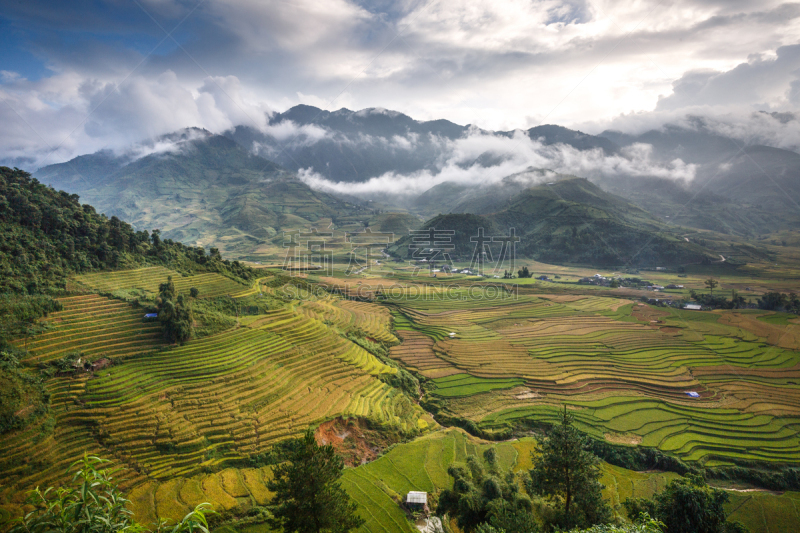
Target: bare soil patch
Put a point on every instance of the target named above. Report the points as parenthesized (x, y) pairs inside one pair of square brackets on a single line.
[(528, 395), (650, 315), (628, 439), (441, 372), (353, 440)]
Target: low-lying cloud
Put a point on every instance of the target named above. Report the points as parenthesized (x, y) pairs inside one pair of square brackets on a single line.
[(168, 144), (482, 159)]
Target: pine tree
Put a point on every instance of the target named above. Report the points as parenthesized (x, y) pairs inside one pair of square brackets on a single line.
[(566, 471), (308, 496)]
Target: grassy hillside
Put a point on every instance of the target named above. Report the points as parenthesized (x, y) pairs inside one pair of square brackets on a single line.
[(570, 221), (205, 191), (678, 204), (47, 235), (449, 197), (422, 465)]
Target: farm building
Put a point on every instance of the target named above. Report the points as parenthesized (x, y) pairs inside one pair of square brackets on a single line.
[(417, 501), (693, 307)]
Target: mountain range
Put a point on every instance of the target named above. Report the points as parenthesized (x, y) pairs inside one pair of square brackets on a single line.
[(206, 190), (239, 191), (569, 220), (739, 189)]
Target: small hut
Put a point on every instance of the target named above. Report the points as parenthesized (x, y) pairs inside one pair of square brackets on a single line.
[(417, 501)]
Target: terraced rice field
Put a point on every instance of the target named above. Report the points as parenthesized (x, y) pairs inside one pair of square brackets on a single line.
[(466, 385), (210, 284), (419, 465), (233, 395), (416, 353), (210, 403), (41, 453), (98, 327), (422, 465), (624, 369), (183, 419), (372, 319), (232, 488)]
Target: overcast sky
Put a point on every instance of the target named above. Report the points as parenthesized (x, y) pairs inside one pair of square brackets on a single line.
[(82, 75)]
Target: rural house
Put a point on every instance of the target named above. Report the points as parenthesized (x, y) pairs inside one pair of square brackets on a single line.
[(417, 501)]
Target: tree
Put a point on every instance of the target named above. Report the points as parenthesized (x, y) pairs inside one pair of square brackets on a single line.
[(174, 313), (480, 498), (524, 273), (794, 304), (772, 301), (94, 504), (48, 235), (511, 517), (308, 496), (688, 505), (567, 472), (711, 283), (737, 302), (155, 237), (166, 291), (194, 292)]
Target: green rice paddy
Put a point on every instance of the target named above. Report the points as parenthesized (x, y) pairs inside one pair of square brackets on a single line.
[(184, 420), (467, 385)]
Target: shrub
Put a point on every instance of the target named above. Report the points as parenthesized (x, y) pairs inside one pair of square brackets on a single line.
[(94, 504)]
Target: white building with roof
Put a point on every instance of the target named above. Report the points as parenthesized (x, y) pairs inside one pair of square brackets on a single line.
[(417, 501)]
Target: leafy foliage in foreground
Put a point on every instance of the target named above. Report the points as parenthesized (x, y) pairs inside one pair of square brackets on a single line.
[(644, 524), (45, 235), (94, 504)]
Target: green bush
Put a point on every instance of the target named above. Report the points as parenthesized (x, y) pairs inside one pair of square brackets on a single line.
[(93, 504)]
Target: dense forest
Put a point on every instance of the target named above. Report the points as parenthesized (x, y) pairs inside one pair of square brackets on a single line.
[(46, 235)]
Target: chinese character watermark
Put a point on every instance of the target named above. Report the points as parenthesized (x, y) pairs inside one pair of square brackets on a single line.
[(308, 251)]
